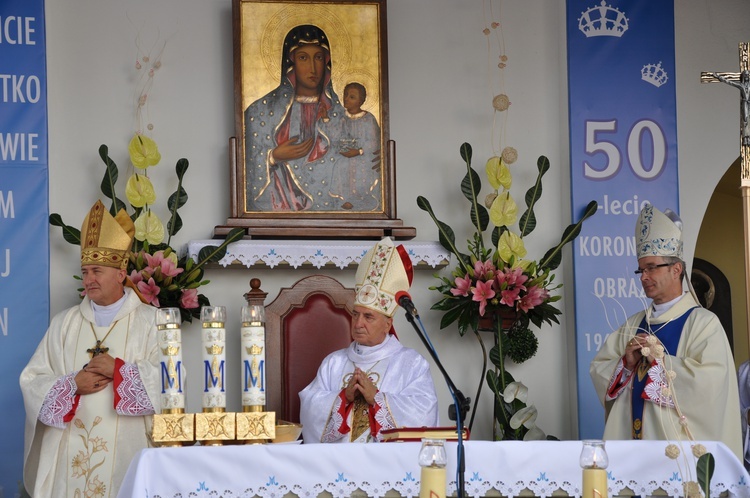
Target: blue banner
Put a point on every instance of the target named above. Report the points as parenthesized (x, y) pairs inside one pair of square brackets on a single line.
[(24, 211), (623, 154)]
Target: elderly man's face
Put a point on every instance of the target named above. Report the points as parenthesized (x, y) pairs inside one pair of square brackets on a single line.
[(103, 284), (369, 328)]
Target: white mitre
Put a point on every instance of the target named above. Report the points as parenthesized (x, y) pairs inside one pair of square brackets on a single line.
[(658, 234)]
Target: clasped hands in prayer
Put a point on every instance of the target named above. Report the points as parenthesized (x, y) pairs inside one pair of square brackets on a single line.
[(633, 353), (360, 385), (96, 374)]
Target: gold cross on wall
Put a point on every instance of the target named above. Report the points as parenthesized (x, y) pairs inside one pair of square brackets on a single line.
[(741, 81)]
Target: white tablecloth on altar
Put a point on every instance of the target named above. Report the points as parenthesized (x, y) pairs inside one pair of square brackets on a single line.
[(306, 470), (317, 253)]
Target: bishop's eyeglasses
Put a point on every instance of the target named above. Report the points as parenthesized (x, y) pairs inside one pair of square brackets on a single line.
[(650, 268)]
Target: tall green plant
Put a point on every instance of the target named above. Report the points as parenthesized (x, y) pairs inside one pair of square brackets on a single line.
[(497, 282)]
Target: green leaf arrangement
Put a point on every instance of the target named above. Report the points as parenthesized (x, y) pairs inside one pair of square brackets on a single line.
[(163, 278), (494, 287)]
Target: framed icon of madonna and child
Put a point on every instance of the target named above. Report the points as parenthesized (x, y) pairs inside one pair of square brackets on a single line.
[(312, 153)]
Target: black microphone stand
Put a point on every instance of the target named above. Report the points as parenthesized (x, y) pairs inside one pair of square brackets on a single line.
[(462, 408)]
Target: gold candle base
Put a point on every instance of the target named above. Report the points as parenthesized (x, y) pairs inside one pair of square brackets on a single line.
[(256, 427), (173, 427), (214, 426)]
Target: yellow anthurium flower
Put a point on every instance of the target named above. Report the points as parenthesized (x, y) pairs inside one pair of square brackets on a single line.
[(149, 227), (504, 210), (510, 245), (526, 416), (139, 190), (524, 264), (143, 152), (498, 173)]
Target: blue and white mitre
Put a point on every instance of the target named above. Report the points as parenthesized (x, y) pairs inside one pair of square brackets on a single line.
[(658, 234)]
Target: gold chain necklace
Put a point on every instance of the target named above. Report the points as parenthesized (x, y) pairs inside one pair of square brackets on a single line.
[(98, 349)]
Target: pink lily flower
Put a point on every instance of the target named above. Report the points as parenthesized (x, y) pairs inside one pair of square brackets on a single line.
[(482, 292), (510, 296), (534, 297), (463, 286), (150, 290), (482, 268), (135, 277), (189, 298), (511, 277)]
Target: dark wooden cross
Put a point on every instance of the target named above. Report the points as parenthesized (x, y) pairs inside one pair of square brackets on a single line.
[(98, 349), (741, 81)]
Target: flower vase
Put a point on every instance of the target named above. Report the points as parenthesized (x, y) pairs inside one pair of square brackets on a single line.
[(508, 316)]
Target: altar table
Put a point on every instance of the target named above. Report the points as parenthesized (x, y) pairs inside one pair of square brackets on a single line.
[(508, 468)]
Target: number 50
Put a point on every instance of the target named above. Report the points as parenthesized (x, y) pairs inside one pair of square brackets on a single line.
[(613, 163)]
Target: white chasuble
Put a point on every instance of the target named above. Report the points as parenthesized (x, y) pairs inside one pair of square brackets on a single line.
[(89, 454), (405, 398), (92, 439)]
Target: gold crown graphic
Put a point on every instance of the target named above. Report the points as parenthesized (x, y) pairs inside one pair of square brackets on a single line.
[(254, 349), (170, 350), (215, 349)]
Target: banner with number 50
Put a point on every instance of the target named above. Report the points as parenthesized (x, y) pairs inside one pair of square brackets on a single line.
[(623, 154)]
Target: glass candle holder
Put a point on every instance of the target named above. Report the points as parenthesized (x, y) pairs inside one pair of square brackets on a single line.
[(168, 316), (213, 315), (253, 333), (432, 459), (594, 462)]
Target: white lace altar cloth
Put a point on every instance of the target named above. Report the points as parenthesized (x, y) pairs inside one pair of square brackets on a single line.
[(317, 253), (542, 467)]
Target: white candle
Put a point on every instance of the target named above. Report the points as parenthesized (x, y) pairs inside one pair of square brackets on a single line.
[(213, 341), (170, 351), (594, 483), (432, 482), (253, 354)]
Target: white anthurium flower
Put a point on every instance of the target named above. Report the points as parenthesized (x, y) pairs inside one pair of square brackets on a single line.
[(515, 390), (525, 416), (535, 434)]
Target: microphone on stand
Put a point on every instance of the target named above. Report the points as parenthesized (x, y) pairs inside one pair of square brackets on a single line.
[(404, 300), (456, 411)]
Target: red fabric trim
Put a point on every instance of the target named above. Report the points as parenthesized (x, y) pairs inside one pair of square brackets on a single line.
[(344, 409), (649, 380), (406, 261), (72, 413), (617, 386), (116, 381), (374, 425)]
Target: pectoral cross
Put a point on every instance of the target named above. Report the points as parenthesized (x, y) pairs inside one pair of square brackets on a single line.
[(741, 81), (98, 349)]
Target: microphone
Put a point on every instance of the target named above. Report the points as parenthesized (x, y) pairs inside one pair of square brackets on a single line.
[(404, 300)]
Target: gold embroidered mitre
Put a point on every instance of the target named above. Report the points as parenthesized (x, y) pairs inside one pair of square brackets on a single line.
[(384, 271), (106, 240)]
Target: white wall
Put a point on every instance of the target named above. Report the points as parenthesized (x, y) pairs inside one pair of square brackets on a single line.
[(439, 98)]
